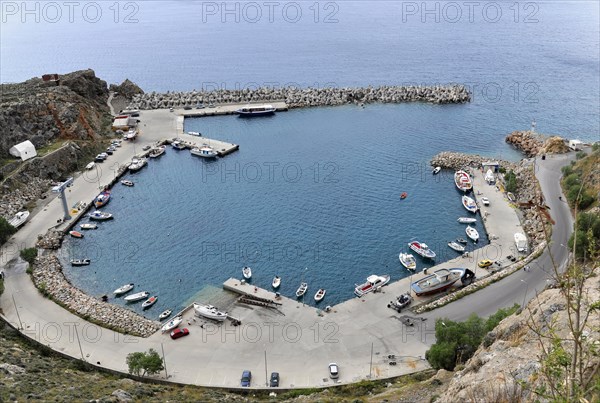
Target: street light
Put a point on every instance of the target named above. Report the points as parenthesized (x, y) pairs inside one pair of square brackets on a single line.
[(525, 295)]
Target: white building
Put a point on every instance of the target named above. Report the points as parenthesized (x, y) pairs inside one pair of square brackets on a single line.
[(24, 150)]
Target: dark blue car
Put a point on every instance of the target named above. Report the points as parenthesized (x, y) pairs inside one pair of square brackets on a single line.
[(246, 378)]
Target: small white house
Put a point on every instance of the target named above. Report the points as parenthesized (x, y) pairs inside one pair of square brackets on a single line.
[(24, 150), (575, 145)]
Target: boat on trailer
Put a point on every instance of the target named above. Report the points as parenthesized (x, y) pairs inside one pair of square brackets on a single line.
[(408, 261), (210, 312), (373, 283), (440, 280)]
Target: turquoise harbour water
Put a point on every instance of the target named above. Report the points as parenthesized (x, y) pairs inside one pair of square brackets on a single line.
[(311, 195)]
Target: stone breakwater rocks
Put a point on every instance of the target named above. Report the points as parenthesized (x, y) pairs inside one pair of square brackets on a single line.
[(51, 240), (49, 278), (305, 97), (527, 142), (528, 194), (16, 200)]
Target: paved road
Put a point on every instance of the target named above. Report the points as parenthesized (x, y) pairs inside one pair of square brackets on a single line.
[(523, 286)]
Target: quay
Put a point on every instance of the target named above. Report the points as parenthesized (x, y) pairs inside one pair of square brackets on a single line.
[(227, 109)]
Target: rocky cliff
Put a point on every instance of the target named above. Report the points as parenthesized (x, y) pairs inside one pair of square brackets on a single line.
[(74, 107)]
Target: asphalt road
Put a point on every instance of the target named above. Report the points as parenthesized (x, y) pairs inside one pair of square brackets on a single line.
[(522, 286)]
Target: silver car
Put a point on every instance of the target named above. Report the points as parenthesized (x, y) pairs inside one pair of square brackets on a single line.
[(334, 371)]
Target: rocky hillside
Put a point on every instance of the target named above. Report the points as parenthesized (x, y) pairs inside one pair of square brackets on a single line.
[(42, 112), (532, 143)]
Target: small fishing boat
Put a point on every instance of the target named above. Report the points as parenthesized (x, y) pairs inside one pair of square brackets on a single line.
[(157, 152), (127, 183), (421, 249), (401, 302), (19, 219), (408, 261), (137, 164), (373, 283), (456, 246), (76, 234), (210, 312), (461, 240), (194, 133), (172, 324), (100, 216), (440, 280), (102, 199), (472, 233), (320, 295), (463, 181), (137, 296), (149, 302), (165, 314), (80, 262), (204, 151), (403, 195), (276, 282), (436, 170), (123, 289), (469, 204), (131, 134), (87, 226), (178, 145), (255, 110), (301, 290), (467, 220), (247, 272)]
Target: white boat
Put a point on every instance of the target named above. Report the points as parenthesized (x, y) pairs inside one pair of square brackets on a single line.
[(456, 246), (204, 151), (320, 295), (88, 226), (467, 220), (165, 314), (127, 183), (521, 242), (137, 296), (131, 134), (421, 249), (463, 181), (408, 261), (469, 204), (123, 289), (172, 324), (178, 145), (301, 290), (276, 282), (80, 262), (247, 272), (157, 152), (440, 280), (472, 233), (19, 219), (256, 110), (373, 282), (137, 164), (149, 302), (210, 312), (489, 177), (194, 133), (436, 170), (100, 216)]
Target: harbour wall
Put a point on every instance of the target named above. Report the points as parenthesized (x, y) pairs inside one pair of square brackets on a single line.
[(306, 97)]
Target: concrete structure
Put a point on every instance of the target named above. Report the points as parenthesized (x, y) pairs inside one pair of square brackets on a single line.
[(575, 145), (124, 123), (25, 150)]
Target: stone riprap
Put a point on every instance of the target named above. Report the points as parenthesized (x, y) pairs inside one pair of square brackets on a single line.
[(305, 97), (49, 278)]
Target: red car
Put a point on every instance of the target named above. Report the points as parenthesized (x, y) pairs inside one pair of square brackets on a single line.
[(177, 333)]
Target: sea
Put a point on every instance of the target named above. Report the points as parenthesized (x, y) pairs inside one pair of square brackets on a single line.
[(313, 194)]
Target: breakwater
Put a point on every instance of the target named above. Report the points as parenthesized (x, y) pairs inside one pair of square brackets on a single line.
[(307, 97)]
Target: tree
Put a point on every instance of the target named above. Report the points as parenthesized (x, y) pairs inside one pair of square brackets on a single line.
[(141, 363), (6, 230), (511, 181)]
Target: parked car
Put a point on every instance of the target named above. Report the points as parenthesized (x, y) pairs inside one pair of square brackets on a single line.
[(485, 263), (334, 371), (177, 333), (485, 201), (274, 379), (246, 378)]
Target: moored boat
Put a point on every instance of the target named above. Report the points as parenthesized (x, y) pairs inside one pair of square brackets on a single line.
[(463, 181), (467, 220), (204, 152), (76, 234), (100, 216), (123, 289), (256, 110), (88, 226), (320, 295), (276, 282), (210, 312), (408, 261), (80, 262), (157, 152), (456, 246), (440, 280), (469, 204), (149, 302), (421, 249), (472, 233), (172, 324), (403, 195), (247, 272), (19, 219), (137, 164), (436, 170), (178, 145), (127, 183), (461, 240), (373, 283), (137, 296), (195, 133), (165, 314), (102, 199), (301, 290)]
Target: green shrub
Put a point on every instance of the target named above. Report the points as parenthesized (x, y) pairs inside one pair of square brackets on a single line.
[(1, 286), (6, 230), (29, 255), (572, 179), (580, 155), (511, 181), (567, 170)]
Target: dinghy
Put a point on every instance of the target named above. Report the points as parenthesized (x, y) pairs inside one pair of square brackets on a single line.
[(276, 282), (76, 234), (165, 314), (149, 302), (320, 295), (88, 226), (247, 272), (80, 262), (436, 170), (301, 290)]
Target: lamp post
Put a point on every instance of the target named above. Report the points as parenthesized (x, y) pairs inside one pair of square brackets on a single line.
[(525, 295)]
